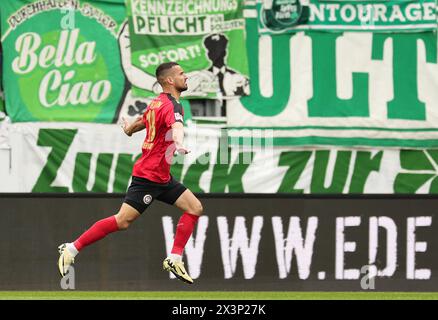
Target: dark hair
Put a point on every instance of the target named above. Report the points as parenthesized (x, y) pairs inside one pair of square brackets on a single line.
[(164, 67), (215, 41)]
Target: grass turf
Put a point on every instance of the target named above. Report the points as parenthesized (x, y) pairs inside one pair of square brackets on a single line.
[(213, 295)]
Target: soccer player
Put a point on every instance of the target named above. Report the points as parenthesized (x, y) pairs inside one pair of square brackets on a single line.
[(151, 179)]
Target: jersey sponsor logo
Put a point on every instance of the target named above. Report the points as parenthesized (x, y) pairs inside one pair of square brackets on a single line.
[(148, 145), (147, 199)]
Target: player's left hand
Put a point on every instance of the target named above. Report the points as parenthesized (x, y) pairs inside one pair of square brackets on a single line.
[(182, 151)]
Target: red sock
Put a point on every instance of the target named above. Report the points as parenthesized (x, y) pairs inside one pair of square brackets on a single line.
[(97, 231), (184, 230)]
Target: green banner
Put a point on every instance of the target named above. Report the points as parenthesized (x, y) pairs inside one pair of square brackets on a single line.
[(2, 106), (57, 157), (282, 16), (2, 98), (206, 37), (350, 89), (62, 59)]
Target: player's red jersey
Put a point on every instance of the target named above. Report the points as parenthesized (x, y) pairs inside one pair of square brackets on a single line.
[(158, 147)]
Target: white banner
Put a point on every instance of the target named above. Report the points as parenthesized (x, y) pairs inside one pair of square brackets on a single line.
[(71, 157)]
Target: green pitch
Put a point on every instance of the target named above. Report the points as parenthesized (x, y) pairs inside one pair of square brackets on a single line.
[(212, 295)]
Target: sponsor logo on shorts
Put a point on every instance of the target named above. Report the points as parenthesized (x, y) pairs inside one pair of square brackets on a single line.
[(147, 199)]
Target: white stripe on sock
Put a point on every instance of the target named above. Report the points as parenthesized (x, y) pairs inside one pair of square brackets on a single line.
[(72, 249)]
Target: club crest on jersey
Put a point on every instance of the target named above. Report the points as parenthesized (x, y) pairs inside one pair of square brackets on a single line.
[(147, 199)]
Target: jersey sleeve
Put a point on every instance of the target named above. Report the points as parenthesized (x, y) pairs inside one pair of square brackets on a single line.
[(143, 118), (175, 114)]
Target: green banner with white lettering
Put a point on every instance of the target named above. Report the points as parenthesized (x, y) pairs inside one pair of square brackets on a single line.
[(206, 37), (282, 16), (61, 59), (2, 98), (350, 89), (56, 157)]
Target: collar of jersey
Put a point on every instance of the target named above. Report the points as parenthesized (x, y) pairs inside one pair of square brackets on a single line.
[(169, 96)]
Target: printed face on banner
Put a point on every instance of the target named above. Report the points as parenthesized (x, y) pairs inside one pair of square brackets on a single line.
[(207, 38)]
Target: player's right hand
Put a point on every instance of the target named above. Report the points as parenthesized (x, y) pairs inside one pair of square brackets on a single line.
[(125, 125)]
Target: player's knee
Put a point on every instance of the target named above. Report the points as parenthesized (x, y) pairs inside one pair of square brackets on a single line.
[(123, 223), (197, 208)]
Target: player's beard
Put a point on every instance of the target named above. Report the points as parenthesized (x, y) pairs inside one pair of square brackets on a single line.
[(183, 88)]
